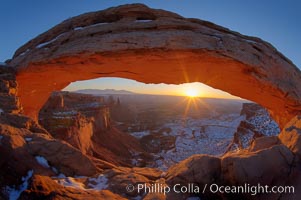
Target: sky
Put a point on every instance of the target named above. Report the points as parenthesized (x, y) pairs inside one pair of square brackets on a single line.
[(278, 22)]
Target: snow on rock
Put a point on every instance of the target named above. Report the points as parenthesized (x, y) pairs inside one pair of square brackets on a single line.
[(71, 182), (54, 170), (61, 175), (28, 139), (99, 183), (83, 182), (197, 136), (93, 25), (25, 52), (140, 134), (15, 192), (42, 161), (258, 123), (143, 20), (50, 41)]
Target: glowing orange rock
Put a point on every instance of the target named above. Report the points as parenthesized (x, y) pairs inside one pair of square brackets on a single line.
[(156, 46)]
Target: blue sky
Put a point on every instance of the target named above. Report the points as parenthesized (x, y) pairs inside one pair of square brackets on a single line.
[(278, 22)]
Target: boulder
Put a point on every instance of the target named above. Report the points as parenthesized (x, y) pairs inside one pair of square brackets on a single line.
[(65, 158), (270, 167), (200, 169), (43, 187), (290, 136), (264, 143), (197, 170)]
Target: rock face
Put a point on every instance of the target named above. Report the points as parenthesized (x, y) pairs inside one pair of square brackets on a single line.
[(257, 123), (270, 166), (291, 135), (8, 90), (43, 187), (83, 121), (198, 169), (75, 117), (117, 41)]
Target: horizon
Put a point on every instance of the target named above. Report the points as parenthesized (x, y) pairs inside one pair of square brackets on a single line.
[(201, 89), (135, 93)]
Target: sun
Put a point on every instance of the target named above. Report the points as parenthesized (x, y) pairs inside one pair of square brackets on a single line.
[(192, 92)]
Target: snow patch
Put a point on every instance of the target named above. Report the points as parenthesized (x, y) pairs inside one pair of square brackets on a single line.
[(71, 182), (25, 52), (61, 175), (54, 170), (28, 139), (198, 136), (140, 134), (144, 20), (78, 28), (72, 112), (15, 192), (50, 41), (42, 161), (83, 27), (99, 183)]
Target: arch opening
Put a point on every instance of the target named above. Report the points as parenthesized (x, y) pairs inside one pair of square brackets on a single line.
[(158, 122)]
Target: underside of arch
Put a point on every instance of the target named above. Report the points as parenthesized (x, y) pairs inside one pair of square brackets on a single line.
[(156, 46)]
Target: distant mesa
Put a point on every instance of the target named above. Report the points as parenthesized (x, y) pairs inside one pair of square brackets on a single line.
[(104, 92)]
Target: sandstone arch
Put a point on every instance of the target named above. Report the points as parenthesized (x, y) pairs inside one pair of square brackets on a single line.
[(156, 46)]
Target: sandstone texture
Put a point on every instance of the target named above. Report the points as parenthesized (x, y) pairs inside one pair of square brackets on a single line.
[(83, 121), (291, 135), (152, 46), (257, 123), (9, 102), (155, 46), (43, 187)]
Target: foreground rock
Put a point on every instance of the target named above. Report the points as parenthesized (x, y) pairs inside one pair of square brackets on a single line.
[(43, 187), (117, 41), (291, 135), (198, 170)]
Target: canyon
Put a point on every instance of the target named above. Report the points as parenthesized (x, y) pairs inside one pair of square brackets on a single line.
[(66, 146)]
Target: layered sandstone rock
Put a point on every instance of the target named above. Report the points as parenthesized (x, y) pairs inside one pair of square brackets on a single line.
[(156, 46), (151, 46), (257, 123), (75, 118), (291, 135), (9, 102), (43, 187), (198, 170), (83, 121)]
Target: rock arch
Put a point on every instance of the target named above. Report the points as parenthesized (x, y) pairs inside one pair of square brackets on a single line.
[(156, 46)]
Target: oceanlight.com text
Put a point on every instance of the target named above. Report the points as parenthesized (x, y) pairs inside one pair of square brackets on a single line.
[(193, 188)]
